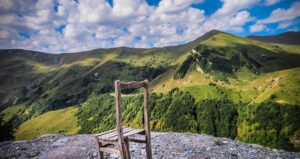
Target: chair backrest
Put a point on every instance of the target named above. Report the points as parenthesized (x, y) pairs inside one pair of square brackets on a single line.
[(118, 86)]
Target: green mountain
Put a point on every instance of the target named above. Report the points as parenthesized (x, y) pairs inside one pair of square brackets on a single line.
[(218, 84), (290, 38)]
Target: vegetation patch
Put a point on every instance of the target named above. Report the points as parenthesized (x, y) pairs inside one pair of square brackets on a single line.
[(61, 121), (271, 124), (12, 111), (182, 70)]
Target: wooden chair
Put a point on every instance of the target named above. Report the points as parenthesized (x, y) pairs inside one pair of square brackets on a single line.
[(120, 137)]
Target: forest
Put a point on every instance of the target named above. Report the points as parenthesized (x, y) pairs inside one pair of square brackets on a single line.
[(270, 123)]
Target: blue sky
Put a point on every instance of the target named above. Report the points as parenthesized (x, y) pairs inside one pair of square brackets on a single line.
[(58, 26)]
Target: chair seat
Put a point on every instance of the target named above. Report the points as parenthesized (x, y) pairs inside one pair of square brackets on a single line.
[(112, 135)]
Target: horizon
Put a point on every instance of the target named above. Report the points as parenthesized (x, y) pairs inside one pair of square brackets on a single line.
[(141, 47), (70, 26)]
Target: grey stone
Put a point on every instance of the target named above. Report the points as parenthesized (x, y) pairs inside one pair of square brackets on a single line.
[(164, 146)]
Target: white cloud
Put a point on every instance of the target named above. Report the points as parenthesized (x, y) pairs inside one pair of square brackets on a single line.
[(240, 18), (92, 11), (257, 27), (284, 18), (4, 34), (279, 15), (173, 6), (285, 24), (127, 8), (6, 4), (7, 19), (92, 24), (233, 6), (271, 2)]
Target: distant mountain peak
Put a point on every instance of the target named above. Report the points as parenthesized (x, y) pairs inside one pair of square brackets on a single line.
[(290, 38)]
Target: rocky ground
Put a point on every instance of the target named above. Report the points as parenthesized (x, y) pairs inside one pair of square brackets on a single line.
[(164, 146)]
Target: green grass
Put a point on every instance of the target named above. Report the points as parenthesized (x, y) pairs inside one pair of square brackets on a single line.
[(225, 40), (284, 84), (40, 67), (53, 122), (277, 77), (202, 92), (10, 112)]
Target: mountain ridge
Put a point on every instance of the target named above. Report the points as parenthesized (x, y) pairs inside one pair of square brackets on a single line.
[(199, 39), (290, 38)]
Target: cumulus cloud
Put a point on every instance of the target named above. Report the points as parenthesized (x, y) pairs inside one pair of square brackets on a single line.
[(5, 4), (91, 11), (285, 24), (173, 6), (279, 15), (284, 18), (271, 2), (257, 28), (4, 34), (7, 19), (72, 26), (232, 6)]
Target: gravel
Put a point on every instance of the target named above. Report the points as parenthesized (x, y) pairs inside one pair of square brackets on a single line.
[(165, 145)]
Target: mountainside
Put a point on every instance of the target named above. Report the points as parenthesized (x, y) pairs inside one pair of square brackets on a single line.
[(218, 84), (290, 38), (28, 74), (164, 145)]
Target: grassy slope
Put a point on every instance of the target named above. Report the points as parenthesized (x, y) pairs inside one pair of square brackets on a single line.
[(227, 40), (59, 121), (23, 71), (247, 86), (10, 112), (283, 84)]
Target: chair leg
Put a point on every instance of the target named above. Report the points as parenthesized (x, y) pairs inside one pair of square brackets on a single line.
[(127, 147), (101, 154), (148, 147), (99, 144)]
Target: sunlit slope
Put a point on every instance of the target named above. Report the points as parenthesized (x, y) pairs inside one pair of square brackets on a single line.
[(269, 57), (27, 74), (266, 70), (283, 86), (61, 121)]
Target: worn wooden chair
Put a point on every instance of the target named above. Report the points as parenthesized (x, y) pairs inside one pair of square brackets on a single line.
[(121, 136)]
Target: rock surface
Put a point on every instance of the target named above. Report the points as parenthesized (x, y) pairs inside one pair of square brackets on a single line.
[(164, 146)]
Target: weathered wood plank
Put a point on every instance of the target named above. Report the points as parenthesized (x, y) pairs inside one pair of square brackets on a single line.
[(115, 134), (110, 150), (132, 132), (132, 84), (137, 140), (106, 132), (108, 141), (109, 131)]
